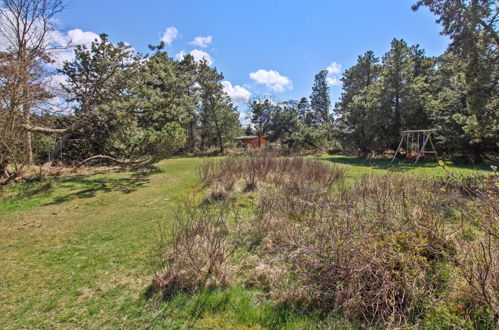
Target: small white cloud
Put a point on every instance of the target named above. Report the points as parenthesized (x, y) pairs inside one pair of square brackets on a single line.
[(334, 70), (79, 37), (64, 44), (180, 55), (54, 83), (236, 93), (272, 79), (198, 55), (202, 42), (333, 81), (169, 35)]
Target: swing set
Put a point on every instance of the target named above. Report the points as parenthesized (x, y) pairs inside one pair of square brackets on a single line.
[(416, 142)]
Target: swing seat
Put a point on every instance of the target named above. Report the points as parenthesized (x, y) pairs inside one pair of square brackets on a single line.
[(56, 168), (409, 156)]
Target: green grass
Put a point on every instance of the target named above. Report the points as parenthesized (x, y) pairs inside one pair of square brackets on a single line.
[(77, 252), (357, 167)]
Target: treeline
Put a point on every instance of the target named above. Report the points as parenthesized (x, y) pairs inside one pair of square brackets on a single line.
[(116, 103), (457, 93), (140, 108), (133, 107)]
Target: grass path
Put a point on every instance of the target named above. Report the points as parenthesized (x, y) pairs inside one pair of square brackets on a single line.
[(81, 257), (77, 254)]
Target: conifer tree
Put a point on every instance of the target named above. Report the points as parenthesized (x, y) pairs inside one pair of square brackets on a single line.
[(320, 100)]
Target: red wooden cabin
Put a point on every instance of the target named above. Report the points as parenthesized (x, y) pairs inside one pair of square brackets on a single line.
[(252, 140)]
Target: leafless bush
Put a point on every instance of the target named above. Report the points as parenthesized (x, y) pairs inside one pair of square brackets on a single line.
[(479, 266), (368, 251), (198, 251), (253, 171), (478, 260)]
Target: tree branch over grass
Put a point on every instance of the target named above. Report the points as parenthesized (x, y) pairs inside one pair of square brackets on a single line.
[(48, 130), (114, 160)]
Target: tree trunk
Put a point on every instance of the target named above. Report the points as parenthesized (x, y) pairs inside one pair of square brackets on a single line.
[(28, 151), (58, 150), (191, 140), (475, 156), (219, 138), (3, 169), (68, 133)]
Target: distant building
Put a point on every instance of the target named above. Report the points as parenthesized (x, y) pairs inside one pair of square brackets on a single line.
[(252, 140)]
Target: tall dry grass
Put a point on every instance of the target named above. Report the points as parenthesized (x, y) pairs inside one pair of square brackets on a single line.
[(252, 171)]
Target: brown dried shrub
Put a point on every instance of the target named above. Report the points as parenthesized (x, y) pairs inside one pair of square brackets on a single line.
[(371, 251), (196, 255), (478, 260), (253, 171)]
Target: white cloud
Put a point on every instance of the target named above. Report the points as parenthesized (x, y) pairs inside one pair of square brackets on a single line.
[(334, 70), (201, 55), (54, 83), (56, 104), (333, 81), (198, 55), (169, 35), (236, 93), (79, 37), (272, 79), (202, 42), (180, 55), (64, 44)]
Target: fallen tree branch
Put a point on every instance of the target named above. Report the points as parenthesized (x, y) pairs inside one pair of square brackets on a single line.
[(66, 132), (9, 179), (47, 130), (114, 160)]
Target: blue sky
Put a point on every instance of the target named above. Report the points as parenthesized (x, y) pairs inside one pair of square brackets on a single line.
[(283, 43)]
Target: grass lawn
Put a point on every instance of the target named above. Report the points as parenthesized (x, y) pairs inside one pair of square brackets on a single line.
[(77, 252), (357, 167)]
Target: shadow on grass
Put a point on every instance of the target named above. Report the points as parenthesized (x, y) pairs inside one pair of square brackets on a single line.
[(33, 192), (398, 165), (88, 187)]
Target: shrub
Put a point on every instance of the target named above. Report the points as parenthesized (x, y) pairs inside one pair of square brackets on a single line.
[(478, 260), (377, 251), (252, 171), (197, 252), (387, 251)]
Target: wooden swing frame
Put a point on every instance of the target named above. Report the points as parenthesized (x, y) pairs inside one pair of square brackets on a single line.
[(409, 135)]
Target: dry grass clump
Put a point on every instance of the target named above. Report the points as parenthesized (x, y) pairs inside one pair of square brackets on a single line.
[(197, 251), (252, 171), (379, 251)]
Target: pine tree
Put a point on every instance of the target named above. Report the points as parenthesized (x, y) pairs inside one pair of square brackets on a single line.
[(358, 110), (396, 75), (304, 111), (471, 25), (261, 111), (219, 119), (320, 99)]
